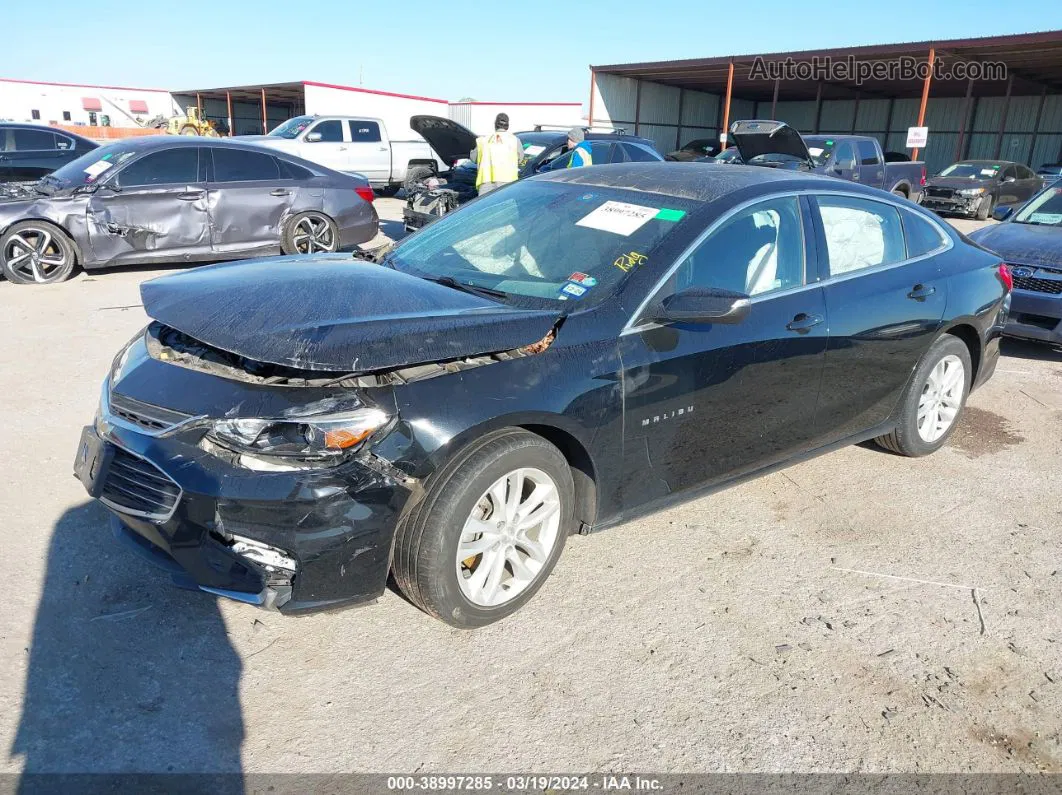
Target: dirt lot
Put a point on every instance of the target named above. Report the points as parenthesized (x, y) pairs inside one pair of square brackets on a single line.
[(860, 612)]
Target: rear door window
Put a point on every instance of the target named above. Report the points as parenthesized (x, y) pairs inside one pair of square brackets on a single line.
[(33, 140), (636, 154), (364, 132), (868, 153), (241, 165), (844, 155), (860, 233), (178, 166)]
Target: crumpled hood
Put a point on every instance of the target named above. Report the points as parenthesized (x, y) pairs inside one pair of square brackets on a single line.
[(333, 313), (1022, 244), (450, 140)]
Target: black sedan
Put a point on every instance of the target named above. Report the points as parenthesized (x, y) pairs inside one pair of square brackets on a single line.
[(559, 356), (176, 199), (29, 151), (975, 188), (1030, 241), (695, 149)]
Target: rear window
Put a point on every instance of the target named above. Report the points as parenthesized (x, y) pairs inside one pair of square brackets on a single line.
[(868, 153), (547, 241), (33, 140)]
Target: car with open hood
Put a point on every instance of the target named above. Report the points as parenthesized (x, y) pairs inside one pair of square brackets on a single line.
[(543, 150), (855, 158), (561, 355), (1030, 241), (173, 199), (974, 188)]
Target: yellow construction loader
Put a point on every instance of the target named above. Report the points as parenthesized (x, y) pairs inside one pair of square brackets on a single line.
[(189, 124)]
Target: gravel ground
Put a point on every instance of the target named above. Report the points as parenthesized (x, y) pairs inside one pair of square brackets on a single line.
[(859, 612)]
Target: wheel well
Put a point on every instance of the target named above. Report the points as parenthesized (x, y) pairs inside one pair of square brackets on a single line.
[(903, 188), (969, 335), (582, 467), (78, 258)]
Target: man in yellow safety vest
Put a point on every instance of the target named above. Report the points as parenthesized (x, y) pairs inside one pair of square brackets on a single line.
[(497, 156)]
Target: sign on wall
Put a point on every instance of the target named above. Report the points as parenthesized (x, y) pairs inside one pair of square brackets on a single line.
[(917, 137)]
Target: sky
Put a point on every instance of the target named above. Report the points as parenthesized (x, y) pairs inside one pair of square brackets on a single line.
[(449, 49)]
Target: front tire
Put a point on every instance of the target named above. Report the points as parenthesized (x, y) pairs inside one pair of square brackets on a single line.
[(935, 398), (36, 252), (489, 530), (984, 208), (309, 233)]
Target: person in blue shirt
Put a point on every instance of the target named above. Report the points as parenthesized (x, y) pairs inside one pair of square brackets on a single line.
[(580, 148)]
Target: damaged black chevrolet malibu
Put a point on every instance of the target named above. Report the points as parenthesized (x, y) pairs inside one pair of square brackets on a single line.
[(561, 355)]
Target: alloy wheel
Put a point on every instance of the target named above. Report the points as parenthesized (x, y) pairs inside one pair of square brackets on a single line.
[(941, 398), (313, 233), (507, 540), (36, 254)]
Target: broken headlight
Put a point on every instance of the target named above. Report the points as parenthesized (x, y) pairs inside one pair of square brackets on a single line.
[(968, 192), (299, 442)]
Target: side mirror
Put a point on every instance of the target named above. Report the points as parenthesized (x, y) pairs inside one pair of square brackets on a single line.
[(1002, 213), (312, 138), (703, 305)]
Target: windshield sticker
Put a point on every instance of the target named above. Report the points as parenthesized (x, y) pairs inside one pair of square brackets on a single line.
[(531, 150), (97, 168), (989, 172), (815, 151), (619, 218), (1046, 218), (572, 289), (667, 214), (584, 279), (625, 262), (829, 142)]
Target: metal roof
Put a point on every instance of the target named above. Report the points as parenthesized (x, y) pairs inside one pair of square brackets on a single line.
[(1034, 60)]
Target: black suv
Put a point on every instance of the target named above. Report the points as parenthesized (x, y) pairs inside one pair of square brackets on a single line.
[(30, 151)]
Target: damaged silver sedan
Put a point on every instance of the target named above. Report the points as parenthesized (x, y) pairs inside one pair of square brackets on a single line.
[(173, 200)]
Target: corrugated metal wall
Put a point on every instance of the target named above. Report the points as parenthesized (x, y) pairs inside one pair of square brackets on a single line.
[(616, 101)]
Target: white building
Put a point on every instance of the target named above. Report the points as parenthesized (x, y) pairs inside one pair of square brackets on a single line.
[(479, 116), (77, 104)]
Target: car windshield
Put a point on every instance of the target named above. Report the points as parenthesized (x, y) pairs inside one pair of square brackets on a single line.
[(543, 242), (534, 144), (971, 170), (292, 127), (728, 155), (89, 167), (700, 146), (819, 148), (1044, 209)]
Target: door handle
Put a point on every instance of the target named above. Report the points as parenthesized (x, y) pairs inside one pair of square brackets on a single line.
[(920, 292), (803, 323), (190, 196), (278, 192)]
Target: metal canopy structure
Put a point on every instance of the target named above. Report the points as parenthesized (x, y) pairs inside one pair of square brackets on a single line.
[(291, 94), (1034, 60)]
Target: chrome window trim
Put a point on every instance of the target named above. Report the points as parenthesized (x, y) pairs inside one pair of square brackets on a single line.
[(947, 243)]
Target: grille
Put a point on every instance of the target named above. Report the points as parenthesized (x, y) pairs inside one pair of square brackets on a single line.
[(940, 193), (136, 487), (151, 419), (1052, 286)]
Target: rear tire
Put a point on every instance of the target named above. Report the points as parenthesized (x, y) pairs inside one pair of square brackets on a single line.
[(933, 403), (450, 546), (984, 209), (417, 174), (309, 233), (37, 252)]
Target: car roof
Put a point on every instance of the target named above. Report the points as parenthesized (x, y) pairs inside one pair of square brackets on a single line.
[(704, 182), (165, 141), (986, 162), (13, 125), (553, 136)]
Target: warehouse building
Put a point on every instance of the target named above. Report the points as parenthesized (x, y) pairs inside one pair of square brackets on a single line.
[(973, 109), (81, 105)]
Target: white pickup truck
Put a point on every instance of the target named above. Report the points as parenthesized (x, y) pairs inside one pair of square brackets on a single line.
[(355, 144)]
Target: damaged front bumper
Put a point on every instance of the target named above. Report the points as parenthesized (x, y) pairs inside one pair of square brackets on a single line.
[(294, 541), (952, 205)]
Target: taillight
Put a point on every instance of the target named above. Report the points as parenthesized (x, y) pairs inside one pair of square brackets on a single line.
[(923, 181), (365, 191), (1006, 276)]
